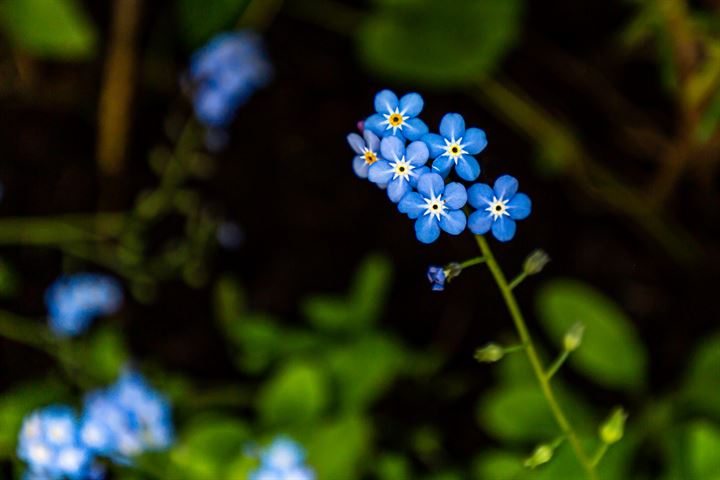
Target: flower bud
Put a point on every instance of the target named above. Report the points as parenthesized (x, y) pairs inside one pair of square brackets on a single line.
[(436, 277), (573, 337), (490, 353), (613, 428), (535, 262), (452, 270), (542, 454)]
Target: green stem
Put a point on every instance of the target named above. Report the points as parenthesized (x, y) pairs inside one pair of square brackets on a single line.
[(472, 261), (599, 454), (557, 364), (534, 358), (517, 280)]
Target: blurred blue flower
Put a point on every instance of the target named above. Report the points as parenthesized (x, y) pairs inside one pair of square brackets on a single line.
[(126, 419), (455, 146), (436, 277), (399, 168), (367, 149), (74, 301), (49, 443), (283, 459), (498, 208), (397, 117), (435, 206), (225, 73), (230, 235)]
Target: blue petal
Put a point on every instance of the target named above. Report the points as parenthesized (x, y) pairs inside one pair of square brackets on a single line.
[(480, 222), (505, 186), (427, 229), (453, 222), (504, 228), (455, 195), (474, 141), (356, 142), (386, 102), (380, 172), (360, 166), (443, 165), (452, 126), (412, 204), (430, 185), (392, 148), (416, 174), (435, 143), (468, 168), (411, 105), (414, 129), (519, 206), (374, 124), (417, 153), (480, 195), (371, 140), (397, 189)]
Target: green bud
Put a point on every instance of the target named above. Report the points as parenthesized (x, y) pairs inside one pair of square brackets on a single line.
[(573, 337), (452, 270), (490, 353), (535, 262), (542, 454), (612, 430)]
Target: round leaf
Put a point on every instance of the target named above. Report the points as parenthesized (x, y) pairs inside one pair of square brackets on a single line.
[(296, 395)]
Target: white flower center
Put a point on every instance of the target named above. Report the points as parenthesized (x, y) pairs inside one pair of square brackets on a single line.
[(454, 149), (497, 208), (402, 169), (394, 119), (435, 206), (58, 432), (39, 454)]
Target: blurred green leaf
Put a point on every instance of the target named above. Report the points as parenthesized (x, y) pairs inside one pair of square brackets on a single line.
[(8, 280), (49, 28), (704, 446), (611, 353), (200, 19), (229, 301), (393, 467), (296, 395), (363, 305), (364, 369), (439, 43), (105, 354), (499, 465), (517, 414), (208, 445), (703, 377), (336, 450)]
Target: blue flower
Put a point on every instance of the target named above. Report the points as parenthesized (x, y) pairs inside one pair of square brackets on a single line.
[(435, 206), (397, 118), (230, 235), (367, 149), (74, 301), (498, 208), (402, 168), (50, 445), (283, 459), (455, 146), (225, 73), (126, 419), (436, 277)]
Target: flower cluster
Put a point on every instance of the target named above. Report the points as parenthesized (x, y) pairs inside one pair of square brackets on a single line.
[(224, 74), (119, 422), (393, 152), (283, 459), (74, 301)]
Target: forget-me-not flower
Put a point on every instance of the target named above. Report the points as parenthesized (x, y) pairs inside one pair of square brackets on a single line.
[(74, 301), (455, 147), (498, 208), (50, 445), (400, 167), (367, 150), (435, 206), (283, 459), (436, 277), (397, 117)]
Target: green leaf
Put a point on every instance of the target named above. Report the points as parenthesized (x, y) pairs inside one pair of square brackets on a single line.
[(49, 28), (611, 353), (296, 395), (499, 465), (208, 445), (393, 467), (364, 369), (518, 413), (230, 303), (439, 43), (8, 280), (105, 354), (337, 450), (703, 445), (199, 19), (703, 377)]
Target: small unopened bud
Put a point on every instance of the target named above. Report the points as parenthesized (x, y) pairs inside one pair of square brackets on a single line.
[(535, 262), (573, 337), (612, 430), (542, 454), (490, 353), (452, 270)]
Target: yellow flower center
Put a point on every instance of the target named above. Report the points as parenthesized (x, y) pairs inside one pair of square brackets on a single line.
[(370, 157), (395, 120)]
